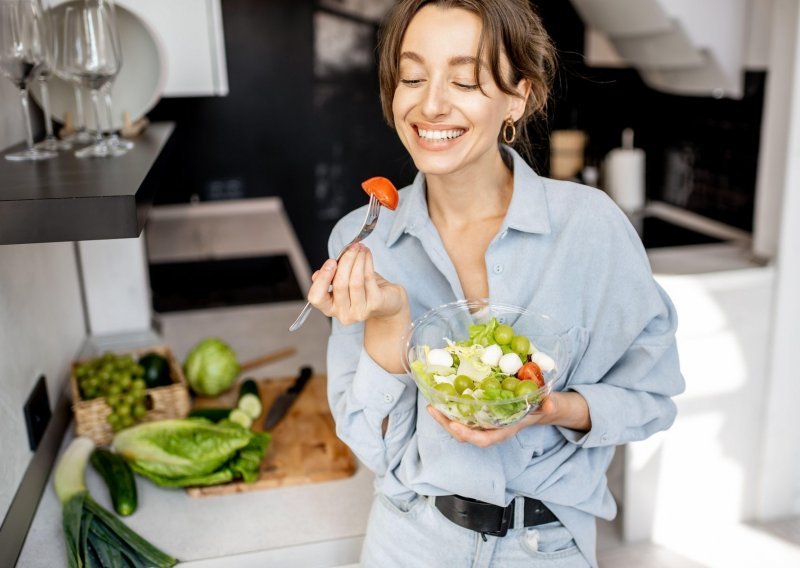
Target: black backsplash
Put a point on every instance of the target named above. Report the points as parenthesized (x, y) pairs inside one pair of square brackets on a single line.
[(310, 134)]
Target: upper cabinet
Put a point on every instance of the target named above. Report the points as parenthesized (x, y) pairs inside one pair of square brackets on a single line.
[(193, 41), (680, 46), (190, 38)]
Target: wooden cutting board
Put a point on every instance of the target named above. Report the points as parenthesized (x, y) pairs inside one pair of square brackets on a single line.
[(304, 447)]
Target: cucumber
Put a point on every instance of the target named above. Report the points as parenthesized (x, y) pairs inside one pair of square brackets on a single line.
[(212, 414), (250, 404), (241, 418), (249, 399), (248, 386), (118, 475)]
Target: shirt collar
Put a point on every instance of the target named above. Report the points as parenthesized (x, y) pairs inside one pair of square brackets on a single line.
[(527, 211)]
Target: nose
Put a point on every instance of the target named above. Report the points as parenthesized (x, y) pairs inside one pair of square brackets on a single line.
[(435, 102)]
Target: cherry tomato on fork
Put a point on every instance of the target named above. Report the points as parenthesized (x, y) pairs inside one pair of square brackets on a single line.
[(384, 191)]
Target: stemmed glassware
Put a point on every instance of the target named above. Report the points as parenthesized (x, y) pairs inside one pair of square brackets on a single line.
[(44, 71), (92, 57), (22, 50), (113, 140)]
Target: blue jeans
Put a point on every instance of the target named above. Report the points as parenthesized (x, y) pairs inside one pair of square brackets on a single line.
[(417, 535)]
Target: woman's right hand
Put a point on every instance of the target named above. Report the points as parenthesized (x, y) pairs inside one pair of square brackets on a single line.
[(359, 294)]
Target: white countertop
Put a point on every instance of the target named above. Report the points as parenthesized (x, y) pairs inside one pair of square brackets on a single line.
[(314, 525)]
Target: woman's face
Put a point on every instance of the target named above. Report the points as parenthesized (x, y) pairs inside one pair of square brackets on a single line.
[(442, 118)]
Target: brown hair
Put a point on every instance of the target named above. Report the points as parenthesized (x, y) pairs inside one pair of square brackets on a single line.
[(511, 27)]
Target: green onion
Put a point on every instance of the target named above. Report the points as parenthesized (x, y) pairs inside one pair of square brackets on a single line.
[(93, 535)]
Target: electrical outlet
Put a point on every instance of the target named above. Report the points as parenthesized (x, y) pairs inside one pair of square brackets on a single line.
[(37, 413)]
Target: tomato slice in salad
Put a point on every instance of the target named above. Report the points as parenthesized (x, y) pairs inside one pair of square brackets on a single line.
[(383, 190), (530, 371)]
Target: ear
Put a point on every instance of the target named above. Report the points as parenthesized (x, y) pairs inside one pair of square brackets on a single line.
[(517, 107)]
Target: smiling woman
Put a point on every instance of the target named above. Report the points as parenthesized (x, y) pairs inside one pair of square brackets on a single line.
[(459, 80)]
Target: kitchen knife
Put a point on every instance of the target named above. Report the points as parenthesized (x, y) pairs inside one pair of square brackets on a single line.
[(286, 399)]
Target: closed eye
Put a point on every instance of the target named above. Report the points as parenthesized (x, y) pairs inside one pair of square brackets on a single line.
[(412, 82), (466, 87)]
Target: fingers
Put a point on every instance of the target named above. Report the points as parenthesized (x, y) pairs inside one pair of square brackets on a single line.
[(318, 294), (477, 437)]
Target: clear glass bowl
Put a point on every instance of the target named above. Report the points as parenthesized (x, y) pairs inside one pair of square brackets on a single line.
[(451, 322)]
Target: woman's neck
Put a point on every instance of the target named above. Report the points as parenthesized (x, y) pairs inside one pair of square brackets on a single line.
[(467, 197)]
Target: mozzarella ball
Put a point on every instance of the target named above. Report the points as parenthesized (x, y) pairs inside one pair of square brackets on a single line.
[(545, 362), (491, 355), (440, 358), (510, 363)]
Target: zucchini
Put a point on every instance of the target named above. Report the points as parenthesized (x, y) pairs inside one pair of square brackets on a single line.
[(118, 476), (212, 414)]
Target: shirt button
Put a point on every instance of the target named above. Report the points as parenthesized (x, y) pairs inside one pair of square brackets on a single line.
[(387, 398), (604, 438), (498, 268)]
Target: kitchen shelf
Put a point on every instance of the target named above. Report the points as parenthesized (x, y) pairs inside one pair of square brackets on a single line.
[(71, 199)]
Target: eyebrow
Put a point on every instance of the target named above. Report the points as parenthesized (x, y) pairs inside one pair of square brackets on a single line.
[(453, 61)]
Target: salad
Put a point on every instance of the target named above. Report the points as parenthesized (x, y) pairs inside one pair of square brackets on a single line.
[(492, 378)]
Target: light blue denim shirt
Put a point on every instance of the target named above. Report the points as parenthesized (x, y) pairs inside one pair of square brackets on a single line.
[(564, 250)]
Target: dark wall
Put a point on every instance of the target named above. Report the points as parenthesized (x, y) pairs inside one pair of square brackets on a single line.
[(309, 134)]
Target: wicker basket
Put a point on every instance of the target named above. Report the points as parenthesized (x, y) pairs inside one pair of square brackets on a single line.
[(170, 401)]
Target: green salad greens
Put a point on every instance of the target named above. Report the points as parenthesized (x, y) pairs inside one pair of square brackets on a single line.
[(492, 378), (192, 451)]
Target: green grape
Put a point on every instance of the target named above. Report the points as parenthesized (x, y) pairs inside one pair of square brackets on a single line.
[(462, 382), (138, 386), (490, 383), (521, 345), (503, 334), (526, 388), (113, 389), (510, 384), (446, 388), (139, 411), (124, 381), (123, 410)]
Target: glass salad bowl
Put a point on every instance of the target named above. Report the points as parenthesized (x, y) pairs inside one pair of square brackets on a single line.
[(484, 364)]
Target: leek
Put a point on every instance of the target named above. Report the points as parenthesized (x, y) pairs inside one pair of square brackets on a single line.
[(93, 535)]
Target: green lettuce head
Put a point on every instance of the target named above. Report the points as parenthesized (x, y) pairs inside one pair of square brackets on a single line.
[(211, 367)]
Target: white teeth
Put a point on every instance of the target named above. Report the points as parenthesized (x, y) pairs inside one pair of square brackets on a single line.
[(439, 134)]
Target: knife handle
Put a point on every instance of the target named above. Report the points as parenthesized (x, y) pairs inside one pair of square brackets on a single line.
[(302, 379)]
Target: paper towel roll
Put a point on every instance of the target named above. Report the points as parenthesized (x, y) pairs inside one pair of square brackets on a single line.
[(624, 178)]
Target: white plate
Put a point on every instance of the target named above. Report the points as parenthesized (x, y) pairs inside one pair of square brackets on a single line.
[(138, 86)]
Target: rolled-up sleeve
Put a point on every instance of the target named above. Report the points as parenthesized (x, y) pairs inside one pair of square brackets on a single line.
[(630, 370), (362, 395)]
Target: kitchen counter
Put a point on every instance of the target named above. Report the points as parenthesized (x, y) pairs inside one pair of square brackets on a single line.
[(313, 525)]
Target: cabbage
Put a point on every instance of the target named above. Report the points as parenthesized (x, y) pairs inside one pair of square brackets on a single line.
[(211, 367)]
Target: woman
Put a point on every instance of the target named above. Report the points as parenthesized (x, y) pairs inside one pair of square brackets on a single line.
[(459, 79)]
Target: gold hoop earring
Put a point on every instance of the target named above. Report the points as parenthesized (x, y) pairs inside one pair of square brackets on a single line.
[(509, 125)]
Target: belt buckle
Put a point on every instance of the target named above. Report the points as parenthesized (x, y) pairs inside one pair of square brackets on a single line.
[(505, 521)]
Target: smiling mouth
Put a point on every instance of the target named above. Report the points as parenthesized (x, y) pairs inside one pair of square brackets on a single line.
[(434, 135)]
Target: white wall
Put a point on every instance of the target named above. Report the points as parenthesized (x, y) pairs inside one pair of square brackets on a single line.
[(41, 323), (41, 329)]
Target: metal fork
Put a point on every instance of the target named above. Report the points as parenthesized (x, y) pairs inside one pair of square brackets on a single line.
[(369, 224)]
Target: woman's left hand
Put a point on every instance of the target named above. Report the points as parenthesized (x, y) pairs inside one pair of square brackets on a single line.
[(567, 409)]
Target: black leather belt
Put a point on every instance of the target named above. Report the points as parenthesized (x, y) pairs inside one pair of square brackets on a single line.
[(486, 518)]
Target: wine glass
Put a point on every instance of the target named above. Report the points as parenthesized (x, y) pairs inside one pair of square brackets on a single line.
[(61, 69), (112, 139), (21, 51), (44, 71), (92, 58)]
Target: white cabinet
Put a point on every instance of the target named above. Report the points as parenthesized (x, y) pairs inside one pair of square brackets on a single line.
[(193, 42)]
